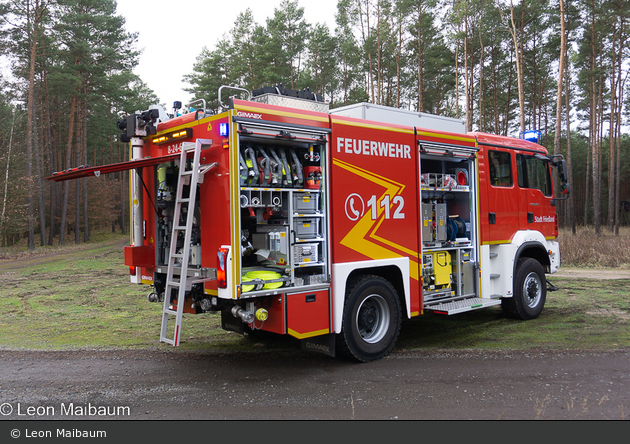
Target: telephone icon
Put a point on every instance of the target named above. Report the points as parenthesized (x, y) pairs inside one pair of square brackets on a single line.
[(354, 207)]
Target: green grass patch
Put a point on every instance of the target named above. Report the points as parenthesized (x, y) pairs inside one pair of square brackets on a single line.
[(582, 315), (82, 298)]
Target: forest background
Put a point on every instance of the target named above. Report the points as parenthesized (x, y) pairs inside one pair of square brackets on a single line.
[(504, 66)]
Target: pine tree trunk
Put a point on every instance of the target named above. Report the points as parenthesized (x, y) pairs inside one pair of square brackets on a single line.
[(30, 134), (41, 210), (611, 134), (420, 61), (571, 201), (556, 140), (86, 232), (66, 184), (50, 155), (77, 183), (6, 178), (563, 44)]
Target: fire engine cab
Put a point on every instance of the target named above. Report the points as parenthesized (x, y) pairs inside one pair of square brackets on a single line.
[(332, 225)]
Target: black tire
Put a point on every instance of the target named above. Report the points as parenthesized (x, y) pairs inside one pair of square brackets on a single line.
[(530, 291), (371, 320)]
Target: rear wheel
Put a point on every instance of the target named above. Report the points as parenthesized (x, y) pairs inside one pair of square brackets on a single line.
[(530, 291), (371, 319)]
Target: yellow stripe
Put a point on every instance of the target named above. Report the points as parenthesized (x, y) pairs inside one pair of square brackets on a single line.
[(190, 124), (448, 136), (374, 126), (478, 231), (499, 242), (234, 203), (309, 334), (391, 244), (282, 113)]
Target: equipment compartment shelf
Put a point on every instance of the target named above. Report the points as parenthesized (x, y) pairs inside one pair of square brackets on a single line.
[(457, 189)]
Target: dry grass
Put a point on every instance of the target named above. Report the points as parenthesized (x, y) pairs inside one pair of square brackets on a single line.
[(20, 250), (586, 249)]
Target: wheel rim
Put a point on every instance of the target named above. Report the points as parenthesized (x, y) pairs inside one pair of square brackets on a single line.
[(532, 290), (373, 318)]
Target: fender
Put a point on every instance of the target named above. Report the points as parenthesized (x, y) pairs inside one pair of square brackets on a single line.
[(341, 272), (525, 243), (533, 244)]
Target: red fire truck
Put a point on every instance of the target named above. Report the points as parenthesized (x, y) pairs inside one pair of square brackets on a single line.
[(332, 225)]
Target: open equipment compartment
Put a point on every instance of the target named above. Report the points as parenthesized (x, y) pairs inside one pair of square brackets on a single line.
[(283, 209), (448, 223)]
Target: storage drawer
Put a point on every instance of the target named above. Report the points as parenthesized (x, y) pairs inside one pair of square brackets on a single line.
[(308, 314), (304, 203), (307, 228), (305, 253)]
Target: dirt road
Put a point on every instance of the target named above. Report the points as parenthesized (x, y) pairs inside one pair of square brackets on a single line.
[(152, 385), (291, 384), (591, 273)]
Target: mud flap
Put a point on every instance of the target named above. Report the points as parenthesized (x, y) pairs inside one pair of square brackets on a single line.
[(321, 344), (230, 323)]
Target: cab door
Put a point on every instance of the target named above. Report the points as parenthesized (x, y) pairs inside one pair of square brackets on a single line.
[(500, 217), (534, 181)]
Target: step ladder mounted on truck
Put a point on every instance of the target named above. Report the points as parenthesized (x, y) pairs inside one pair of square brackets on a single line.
[(332, 225)]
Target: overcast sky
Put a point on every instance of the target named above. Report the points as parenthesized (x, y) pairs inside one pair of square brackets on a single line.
[(172, 34)]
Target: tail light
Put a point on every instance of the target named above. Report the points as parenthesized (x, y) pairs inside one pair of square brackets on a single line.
[(132, 271), (222, 265)]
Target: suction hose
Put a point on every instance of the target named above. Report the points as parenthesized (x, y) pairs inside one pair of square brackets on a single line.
[(276, 171), (287, 168), (264, 163), (298, 176), (253, 171)]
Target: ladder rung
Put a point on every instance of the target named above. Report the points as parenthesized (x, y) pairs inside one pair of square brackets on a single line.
[(184, 279)]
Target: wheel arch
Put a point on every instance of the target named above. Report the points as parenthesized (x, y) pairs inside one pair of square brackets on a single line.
[(534, 250), (390, 273), (395, 271)]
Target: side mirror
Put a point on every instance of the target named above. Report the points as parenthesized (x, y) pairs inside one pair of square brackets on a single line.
[(561, 164)]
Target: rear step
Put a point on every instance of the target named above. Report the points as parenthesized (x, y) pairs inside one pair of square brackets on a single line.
[(461, 306)]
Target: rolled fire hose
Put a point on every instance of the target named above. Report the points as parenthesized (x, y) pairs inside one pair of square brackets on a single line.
[(287, 168), (243, 168), (297, 169), (253, 171), (264, 163), (277, 168)]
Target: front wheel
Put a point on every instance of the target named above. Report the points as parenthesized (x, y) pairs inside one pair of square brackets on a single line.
[(530, 291), (371, 319)]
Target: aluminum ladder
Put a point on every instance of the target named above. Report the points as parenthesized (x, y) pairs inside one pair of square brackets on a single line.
[(182, 282)]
